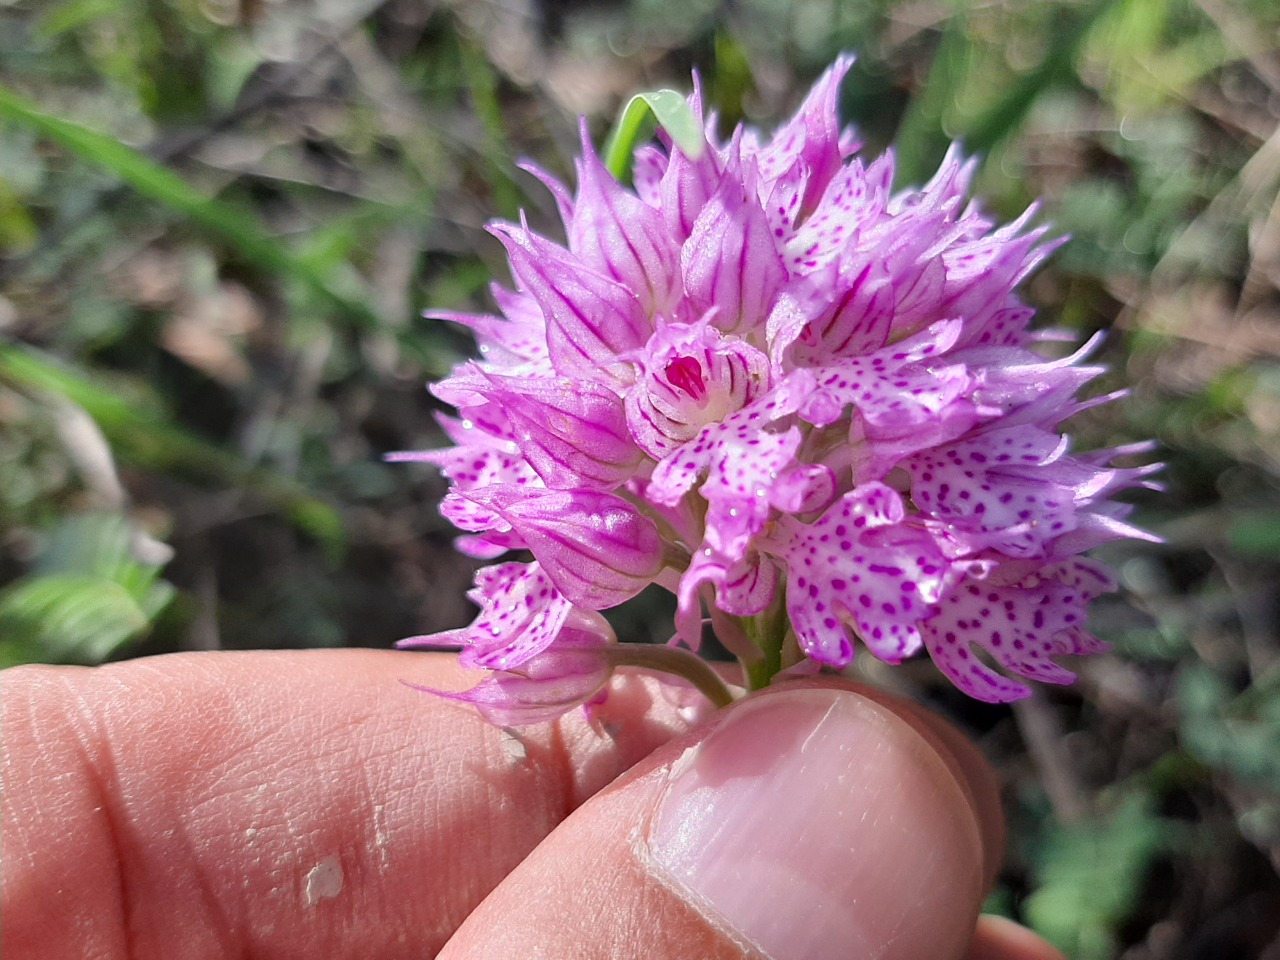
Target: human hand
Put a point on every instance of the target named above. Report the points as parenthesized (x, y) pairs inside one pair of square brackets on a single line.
[(308, 804)]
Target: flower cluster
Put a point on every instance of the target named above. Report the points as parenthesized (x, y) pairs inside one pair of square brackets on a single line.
[(808, 405)]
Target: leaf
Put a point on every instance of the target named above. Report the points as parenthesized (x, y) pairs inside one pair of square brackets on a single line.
[(18, 231), (66, 618), (1239, 733), (1090, 877), (162, 185), (234, 59), (673, 114), (87, 597)]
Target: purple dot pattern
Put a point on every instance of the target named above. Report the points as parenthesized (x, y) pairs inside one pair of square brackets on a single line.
[(850, 202), (1007, 489), (677, 473), (743, 588), (861, 563), (1019, 626), (747, 482), (521, 613), (544, 657), (480, 460)]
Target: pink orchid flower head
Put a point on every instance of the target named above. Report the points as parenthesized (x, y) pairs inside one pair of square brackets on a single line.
[(810, 406)]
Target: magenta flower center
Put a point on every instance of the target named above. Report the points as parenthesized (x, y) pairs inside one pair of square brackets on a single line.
[(685, 373)]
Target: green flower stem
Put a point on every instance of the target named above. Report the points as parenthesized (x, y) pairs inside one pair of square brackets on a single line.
[(672, 660), (767, 631)]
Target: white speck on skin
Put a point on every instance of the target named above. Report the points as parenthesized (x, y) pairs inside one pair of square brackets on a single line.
[(513, 747), (323, 881), (682, 762), (382, 837)]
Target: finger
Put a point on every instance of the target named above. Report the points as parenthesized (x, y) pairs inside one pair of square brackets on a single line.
[(806, 822), (999, 939), (277, 804), (961, 755)]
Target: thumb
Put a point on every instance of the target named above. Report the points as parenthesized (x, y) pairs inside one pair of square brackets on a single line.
[(806, 822)]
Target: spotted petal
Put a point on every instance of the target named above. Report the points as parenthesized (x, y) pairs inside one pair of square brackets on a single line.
[(677, 473), (568, 671), (521, 613), (861, 562), (1021, 626)]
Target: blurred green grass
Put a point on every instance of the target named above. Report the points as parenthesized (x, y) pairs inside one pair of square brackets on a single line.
[(221, 220)]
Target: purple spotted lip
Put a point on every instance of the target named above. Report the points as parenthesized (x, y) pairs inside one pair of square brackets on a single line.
[(763, 374)]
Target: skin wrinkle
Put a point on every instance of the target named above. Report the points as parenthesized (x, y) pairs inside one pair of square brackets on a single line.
[(93, 745), (219, 913), (544, 773), (633, 915), (560, 759), (85, 736), (461, 787), (181, 834), (379, 846)]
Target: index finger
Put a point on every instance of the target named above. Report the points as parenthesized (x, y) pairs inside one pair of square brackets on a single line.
[(278, 803)]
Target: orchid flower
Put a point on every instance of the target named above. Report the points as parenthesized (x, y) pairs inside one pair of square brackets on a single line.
[(810, 406)]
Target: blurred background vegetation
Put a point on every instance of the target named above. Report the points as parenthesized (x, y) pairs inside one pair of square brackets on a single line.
[(220, 221)]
